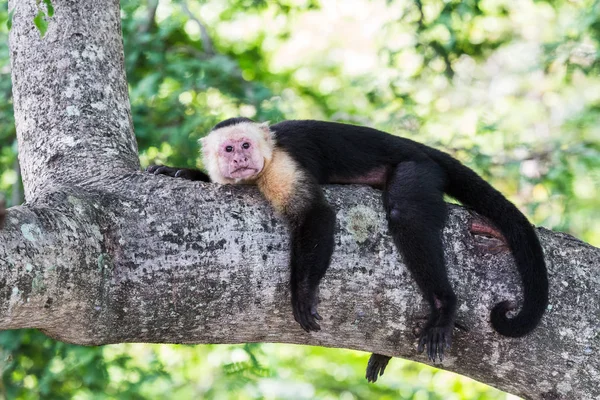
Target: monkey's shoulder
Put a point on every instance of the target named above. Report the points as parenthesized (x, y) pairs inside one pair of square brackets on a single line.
[(282, 180)]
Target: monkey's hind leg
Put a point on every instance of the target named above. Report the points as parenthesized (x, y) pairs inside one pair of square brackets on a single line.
[(416, 214)]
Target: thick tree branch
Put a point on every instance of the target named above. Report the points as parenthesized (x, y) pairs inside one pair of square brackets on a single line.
[(155, 259)]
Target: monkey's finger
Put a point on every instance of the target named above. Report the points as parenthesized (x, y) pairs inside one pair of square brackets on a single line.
[(306, 312), (163, 171), (159, 170), (421, 345), (304, 325), (305, 319), (429, 346), (298, 315), (433, 348), (302, 321), (448, 339), (314, 313), (372, 371), (313, 323), (438, 341), (442, 341), (371, 374)]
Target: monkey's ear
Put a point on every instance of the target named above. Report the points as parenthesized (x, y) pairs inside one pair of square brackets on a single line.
[(264, 128)]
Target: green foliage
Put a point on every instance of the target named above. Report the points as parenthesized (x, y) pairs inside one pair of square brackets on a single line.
[(33, 366), (9, 19), (49, 8), (512, 88), (41, 18), (39, 368), (40, 22)]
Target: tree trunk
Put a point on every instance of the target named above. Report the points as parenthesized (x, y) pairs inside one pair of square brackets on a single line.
[(103, 253)]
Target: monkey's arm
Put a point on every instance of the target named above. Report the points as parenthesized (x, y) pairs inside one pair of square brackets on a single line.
[(296, 195), (312, 246), (185, 173)]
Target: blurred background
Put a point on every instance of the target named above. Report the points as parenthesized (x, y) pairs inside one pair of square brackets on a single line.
[(511, 88)]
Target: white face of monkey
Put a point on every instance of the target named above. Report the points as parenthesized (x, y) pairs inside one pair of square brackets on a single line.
[(237, 153)]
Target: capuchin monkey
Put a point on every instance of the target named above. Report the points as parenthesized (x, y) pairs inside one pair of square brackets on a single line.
[(291, 159)]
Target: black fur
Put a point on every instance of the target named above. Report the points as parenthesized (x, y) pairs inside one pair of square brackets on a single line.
[(413, 198), (327, 149), (231, 121), (312, 246)]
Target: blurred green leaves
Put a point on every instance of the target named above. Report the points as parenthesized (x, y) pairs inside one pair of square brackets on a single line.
[(509, 87), (33, 366)]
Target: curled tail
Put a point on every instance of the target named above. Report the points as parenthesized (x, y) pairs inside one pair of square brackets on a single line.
[(472, 191)]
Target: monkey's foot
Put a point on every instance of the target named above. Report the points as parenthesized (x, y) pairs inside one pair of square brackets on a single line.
[(436, 339), (376, 366), (305, 312)]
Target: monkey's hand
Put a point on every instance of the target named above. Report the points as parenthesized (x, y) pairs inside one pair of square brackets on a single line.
[(304, 305), (185, 173), (376, 366), (437, 337)]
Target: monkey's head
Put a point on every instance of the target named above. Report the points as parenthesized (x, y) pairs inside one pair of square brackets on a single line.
[(237, 150)]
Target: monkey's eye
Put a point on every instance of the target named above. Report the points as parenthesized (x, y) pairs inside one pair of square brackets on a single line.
[(229, 149), (245, 145)]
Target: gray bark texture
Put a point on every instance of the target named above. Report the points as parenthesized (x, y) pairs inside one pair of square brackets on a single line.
[(103, 253)]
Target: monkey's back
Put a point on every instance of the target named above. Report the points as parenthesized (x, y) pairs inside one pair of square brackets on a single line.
[(327, 149)]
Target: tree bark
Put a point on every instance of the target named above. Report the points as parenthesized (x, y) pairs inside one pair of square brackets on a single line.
[(103, 253)]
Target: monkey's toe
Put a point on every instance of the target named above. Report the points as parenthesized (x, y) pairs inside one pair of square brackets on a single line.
[(436, 339), (152, 168), (376, 366)]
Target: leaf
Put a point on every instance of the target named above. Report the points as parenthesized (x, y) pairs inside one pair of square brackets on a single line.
[(49, 7), (10, 18), (41, 23)]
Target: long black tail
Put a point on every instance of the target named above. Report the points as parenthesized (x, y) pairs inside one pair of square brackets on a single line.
[(471, 190)]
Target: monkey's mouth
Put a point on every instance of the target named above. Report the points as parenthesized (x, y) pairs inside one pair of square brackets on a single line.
[(243, 172)]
